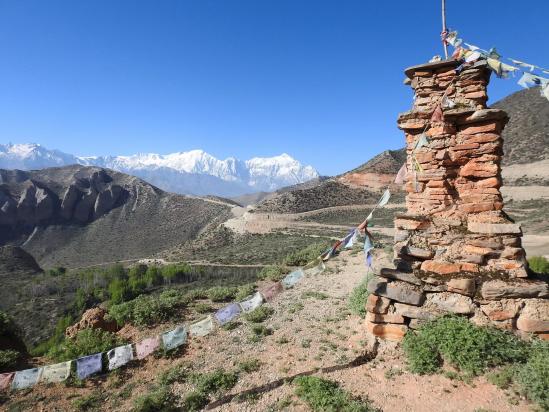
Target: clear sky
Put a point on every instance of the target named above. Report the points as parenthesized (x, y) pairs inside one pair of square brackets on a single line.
[(320, 80)]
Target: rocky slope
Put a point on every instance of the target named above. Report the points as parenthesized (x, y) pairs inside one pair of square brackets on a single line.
[(193, 172), (76, 216)]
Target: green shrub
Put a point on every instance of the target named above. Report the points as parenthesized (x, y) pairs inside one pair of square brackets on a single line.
[(273, 273), (8, 359), (539, 264), (358, 297), (153, 276), (249, 365), (176, 374), (89, 402), (470, 348), (502, 378), (56, 339), (221, 293), (214, 382), (258, 332), (324, 395), (8, 328), (533, 376), (86, 342), (148, 310), (158, 400), (259, 315), (203, 308), (175, 272), (120, 291), (307, 255), (194, 401), (58, 271), (244, 291)]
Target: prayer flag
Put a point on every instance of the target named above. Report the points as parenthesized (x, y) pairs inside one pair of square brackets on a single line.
[(401, 175), (421, 142), (202, 328), (88, 365), (228, 313), (349, 238), (5, 380), (174, 338), (119, 356), (545, 90), (56, 373), (522, 64), (384, 198), (294, 277), (146, 347), (272, 291), (472, 57), (252, 303), (368, 246), (26, 378)]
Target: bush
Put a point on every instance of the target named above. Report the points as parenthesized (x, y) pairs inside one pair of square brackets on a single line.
[(86, 342), (89, 402), (8, 329), (470, 348), (273, 273), (533, 376), (120, 291), (8, 359), (153, 276), (158, 400), (304, 256), (194, 401), (148, 310), (214, 382), (259, 315), (221, 293), (172, 375), (325, 395), (539, 264), (56, 339), (244, 291), (58, 271), (249, 365), (175, 272), (358, 297)]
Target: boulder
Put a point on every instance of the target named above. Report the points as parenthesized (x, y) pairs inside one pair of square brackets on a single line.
[(517, 288), (395, 274), (534, 316), (92, 319), (399, 291), (450, 302)]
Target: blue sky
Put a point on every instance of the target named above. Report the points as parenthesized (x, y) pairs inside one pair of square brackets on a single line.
[(320, 80)]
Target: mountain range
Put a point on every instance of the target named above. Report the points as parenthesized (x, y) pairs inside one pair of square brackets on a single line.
[(194, 172)]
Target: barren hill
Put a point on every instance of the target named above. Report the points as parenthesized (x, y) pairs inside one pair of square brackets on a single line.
[(76, 216)]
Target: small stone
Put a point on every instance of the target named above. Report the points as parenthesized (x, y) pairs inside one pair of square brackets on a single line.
[(419, 252)]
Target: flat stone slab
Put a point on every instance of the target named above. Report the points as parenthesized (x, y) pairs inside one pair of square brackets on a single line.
[(450, 302), (399, 291), (387, 330), (499, 289), (419, 252), (494, 228), (413, 312), (395, 274)]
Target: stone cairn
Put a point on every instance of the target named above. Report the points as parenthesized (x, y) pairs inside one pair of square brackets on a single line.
[(455, 249)]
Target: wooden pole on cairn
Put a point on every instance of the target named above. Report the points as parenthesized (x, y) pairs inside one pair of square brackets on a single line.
[(444, 28)]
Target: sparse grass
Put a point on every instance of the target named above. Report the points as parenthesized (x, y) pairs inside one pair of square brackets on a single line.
[(273, 273), (160, 399), (214, 382), (314, 295), (358, 297), (304, 256), (174, 374), (539, 264), (244, 291), (391, 373), (259, 332), (202, 308), (194, 401), (533, 376), (502, 378), (323, 395), (231, 325), (259, 315), (86, 342), (295, 307), (89, 402), (221, 293), (249, 365)]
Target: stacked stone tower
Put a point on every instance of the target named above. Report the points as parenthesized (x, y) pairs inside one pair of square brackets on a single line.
[(456, 251)]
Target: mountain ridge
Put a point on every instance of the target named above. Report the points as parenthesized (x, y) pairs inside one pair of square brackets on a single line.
[(193, 172)]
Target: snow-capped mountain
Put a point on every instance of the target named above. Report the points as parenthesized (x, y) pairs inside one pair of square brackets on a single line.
[(194, 172)]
